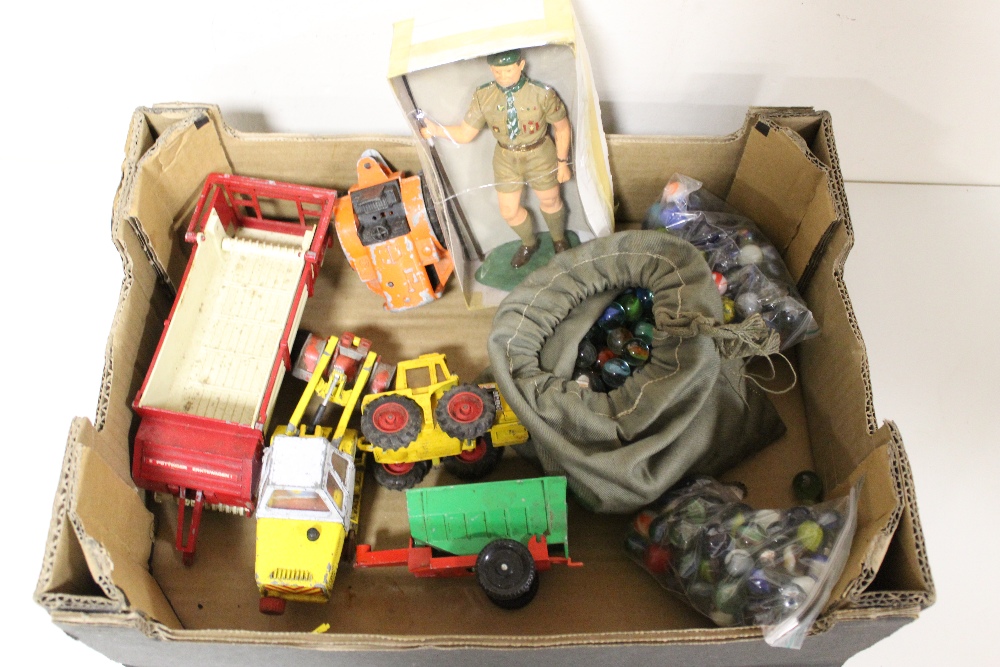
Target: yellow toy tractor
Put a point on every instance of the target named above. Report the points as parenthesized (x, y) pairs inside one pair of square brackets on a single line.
[(431, 418)]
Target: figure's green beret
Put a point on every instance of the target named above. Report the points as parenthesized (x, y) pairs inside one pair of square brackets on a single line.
[(504, 58)]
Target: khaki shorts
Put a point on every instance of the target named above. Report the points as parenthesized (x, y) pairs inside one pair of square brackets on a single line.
[(536, 168)]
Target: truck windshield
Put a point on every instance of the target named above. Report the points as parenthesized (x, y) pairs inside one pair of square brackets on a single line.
[(283, 499)]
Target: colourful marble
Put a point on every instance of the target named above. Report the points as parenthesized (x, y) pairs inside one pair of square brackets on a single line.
[(808, 487), (656, 558), (631, 304), (810, 535), (615, 372), (728, 310), (721, 283), (644, 331), (603, 357), (636, 352), (612, 317)]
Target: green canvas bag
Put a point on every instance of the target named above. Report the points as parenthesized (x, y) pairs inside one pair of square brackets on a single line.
[(690, 409)]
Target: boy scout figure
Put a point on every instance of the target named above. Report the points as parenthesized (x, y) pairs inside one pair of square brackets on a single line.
[(519, 112)]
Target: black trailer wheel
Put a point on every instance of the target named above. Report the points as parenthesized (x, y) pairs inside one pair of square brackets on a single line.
[(476, 463), (465, 412), (506, 572), (392, 422), (400, 476)]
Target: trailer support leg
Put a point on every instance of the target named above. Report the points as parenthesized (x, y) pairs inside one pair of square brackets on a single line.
[(186, 540)]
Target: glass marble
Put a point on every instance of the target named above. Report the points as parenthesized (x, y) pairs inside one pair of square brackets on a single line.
[(656, 558), (632, 306), (586, 354), (615, 372), (635, 544), (636, 352), (728, 310), (716, 540), (810, 535), (645, 298), (758, 584), (808, 487), (617, 338), (747, 304), (644, 331), (751, 254), (603, 357), (612, 317), (721, 283), (738, 562)]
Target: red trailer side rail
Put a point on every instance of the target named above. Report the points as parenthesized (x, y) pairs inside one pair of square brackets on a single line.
[(209, 391)]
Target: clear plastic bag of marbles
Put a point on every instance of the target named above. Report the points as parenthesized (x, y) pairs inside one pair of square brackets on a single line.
[(741, 566), (748, 269)]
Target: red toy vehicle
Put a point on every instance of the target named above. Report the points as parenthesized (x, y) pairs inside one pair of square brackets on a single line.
[(390, 234), (210, 389)]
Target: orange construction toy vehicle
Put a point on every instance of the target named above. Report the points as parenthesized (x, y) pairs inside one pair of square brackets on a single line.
[(391, 236)]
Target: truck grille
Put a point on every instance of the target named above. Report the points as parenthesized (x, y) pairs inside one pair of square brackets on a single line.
[(287, 574)]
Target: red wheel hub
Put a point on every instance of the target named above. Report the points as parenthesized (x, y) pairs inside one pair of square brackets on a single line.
[(397, 469), (472, 455), (465, 407), (390, 417)]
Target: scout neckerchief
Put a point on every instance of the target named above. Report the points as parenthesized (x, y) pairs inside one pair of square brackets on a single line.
[(513, 129)]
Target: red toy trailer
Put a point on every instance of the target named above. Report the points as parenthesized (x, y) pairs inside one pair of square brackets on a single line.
[(210, 389)]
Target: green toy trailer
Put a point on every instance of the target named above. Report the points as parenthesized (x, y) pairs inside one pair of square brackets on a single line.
[(503, 532)]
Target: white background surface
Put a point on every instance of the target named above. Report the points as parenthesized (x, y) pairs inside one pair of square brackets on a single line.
[(912, 86)]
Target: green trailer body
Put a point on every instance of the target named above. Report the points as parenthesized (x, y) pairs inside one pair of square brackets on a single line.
[(463, 519)]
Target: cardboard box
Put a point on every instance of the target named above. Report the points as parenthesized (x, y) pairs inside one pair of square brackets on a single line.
[(436, 65), (112, 578)]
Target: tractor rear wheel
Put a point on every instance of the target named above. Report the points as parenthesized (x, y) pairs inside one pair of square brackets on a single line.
[(392, 422), (465, 412), (400, 476), (475, 463)]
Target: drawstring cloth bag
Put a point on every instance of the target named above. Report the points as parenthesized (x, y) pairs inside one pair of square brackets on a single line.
[(690, 409)]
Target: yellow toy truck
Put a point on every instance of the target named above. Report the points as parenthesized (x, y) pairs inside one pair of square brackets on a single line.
[(430, 418), (310, 480)]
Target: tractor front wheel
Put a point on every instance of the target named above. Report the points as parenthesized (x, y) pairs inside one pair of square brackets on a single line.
[(392, 422)]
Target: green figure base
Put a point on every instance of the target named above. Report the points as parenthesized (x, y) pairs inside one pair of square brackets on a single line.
[(497, 272)]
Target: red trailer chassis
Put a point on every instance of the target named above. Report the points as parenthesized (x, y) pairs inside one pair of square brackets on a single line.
[(208, 394)]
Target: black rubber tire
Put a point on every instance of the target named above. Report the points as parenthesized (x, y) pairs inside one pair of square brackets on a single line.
[(407, 415), (506, 572), (467, 468), (478, 405), (396, 481), (432, 216)]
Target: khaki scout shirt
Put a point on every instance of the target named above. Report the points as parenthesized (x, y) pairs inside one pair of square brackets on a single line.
[(537, 106)]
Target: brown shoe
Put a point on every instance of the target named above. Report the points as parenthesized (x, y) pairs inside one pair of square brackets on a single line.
[(522, 255), (560, 245)]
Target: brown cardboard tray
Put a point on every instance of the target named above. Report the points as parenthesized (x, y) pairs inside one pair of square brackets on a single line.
[(111, 577)]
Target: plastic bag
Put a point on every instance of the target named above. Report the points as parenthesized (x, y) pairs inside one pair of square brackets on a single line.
[(740, 566), (748, 269)]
